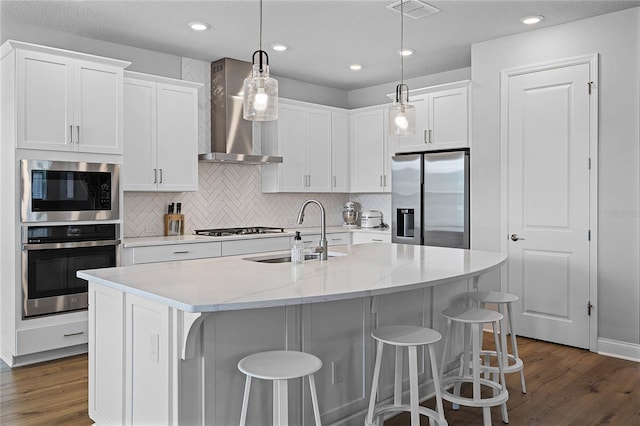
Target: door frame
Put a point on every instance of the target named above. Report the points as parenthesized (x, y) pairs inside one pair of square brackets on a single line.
[(592, 60)]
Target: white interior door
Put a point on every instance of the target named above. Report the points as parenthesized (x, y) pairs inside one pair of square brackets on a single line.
[(548, 202)]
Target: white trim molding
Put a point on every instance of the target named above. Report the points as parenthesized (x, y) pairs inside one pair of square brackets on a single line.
[(618, 349)]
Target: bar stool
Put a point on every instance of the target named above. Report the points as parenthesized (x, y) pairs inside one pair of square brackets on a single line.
[(502, 299), (473, 319), (280, 366), (410, 337)]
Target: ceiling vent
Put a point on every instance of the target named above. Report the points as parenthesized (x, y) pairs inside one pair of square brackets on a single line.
[(415, 9)]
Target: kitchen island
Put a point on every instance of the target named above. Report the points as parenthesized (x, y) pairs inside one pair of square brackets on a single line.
[(165, 338)]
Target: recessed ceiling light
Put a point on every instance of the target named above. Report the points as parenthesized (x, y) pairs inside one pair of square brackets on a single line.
[(355, 67), (199, 26), (531, 20), (279, 47), (406, 52)]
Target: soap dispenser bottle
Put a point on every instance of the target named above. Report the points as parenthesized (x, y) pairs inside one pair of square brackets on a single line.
[(297, 249)]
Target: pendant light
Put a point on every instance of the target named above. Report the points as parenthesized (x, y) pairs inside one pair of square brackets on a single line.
[(402, 116), (260, 92)]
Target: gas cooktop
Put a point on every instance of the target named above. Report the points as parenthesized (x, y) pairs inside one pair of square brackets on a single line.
[(223, 232)]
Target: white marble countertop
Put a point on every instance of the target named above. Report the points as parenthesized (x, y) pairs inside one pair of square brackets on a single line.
[(233, 283), (187, 239)]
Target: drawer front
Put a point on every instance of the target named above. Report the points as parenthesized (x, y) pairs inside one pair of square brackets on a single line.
[(362, 238), (171, 252), (258, 245), (339, 239), (51, 337)]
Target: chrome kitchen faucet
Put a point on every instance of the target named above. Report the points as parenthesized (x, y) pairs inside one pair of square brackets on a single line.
[(322, 249)]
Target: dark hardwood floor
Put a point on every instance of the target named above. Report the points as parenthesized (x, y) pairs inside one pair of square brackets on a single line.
[(565, 386)]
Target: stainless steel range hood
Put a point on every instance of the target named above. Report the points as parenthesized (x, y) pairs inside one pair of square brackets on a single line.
[(231, 135)]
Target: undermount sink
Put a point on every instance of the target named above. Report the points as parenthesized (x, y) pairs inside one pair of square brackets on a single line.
[(279, 258)]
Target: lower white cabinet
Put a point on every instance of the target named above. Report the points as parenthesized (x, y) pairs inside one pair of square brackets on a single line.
[(369, 237), (255, 245), (333, 239), (45, 338), (170, 252)]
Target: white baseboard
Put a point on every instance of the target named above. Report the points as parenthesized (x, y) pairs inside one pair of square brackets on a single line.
[(617, 349)]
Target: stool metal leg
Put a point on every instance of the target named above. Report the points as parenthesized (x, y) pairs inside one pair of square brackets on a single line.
[(374, 384), (280, 403), (397, 385), (413, 386), (314, 399), (245, 401), (514, 345), (436, 385), (499, 357)]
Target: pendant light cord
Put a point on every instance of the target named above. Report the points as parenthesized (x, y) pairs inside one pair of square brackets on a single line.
[(260, 25), (401, 42)]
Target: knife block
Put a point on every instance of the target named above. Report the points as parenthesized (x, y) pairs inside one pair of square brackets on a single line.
[(173, 224)]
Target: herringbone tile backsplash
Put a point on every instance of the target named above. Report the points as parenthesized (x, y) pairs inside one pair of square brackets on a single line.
[(230, 195)]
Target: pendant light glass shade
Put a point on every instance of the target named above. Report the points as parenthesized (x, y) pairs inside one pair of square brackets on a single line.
[(260, 92), (402, 116)]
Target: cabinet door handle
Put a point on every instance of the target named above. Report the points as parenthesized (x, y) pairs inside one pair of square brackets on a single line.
[(74, 334), (384, 180), (308, 180), (181, 252), (70, 133), (381, 180), (160, 175), (376, 239), (430, 140), (78, 131), (155, 175), (426, 136)]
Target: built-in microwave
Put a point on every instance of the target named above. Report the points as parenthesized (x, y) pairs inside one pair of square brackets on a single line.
[(65, 191)]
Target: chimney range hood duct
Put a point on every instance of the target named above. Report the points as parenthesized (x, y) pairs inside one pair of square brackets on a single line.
[(231, 135)]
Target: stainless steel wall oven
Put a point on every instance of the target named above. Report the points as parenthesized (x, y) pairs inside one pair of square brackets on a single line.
[(51, 256), (65, 191)]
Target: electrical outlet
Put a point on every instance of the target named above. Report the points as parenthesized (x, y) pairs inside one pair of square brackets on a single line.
[(337, 371), (154, 343), (151, 228)]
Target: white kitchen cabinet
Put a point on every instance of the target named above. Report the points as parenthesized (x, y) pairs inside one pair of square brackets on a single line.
[(254, 245), (170, 252), (67, 101), (333, 239), (442, 119), (303, 136), (369, 161), (160, 134), (362, 237), (339, 152)]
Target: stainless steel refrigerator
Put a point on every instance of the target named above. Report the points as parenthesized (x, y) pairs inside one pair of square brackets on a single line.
[(430, 199)]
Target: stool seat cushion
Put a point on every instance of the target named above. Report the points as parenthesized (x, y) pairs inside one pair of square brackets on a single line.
[(406, 335), (492, 297), (279, 365), (471, 315)]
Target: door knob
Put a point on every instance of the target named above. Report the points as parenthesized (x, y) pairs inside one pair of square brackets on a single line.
[(514, 237)]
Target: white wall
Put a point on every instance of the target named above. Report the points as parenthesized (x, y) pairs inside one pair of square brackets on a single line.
[(616, 37)]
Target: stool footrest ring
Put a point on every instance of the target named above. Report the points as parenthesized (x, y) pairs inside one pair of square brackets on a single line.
[(390, 408), (498, 399)]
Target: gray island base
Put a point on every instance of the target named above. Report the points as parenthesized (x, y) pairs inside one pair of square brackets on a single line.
[(165, 338)]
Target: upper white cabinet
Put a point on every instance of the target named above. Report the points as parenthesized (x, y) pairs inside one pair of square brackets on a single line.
[(442, 119), (370, 160), (66, 101), (339, 152), (303, 135), (160, 134)]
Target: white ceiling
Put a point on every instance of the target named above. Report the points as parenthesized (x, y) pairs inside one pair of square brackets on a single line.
[(324, 36)]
